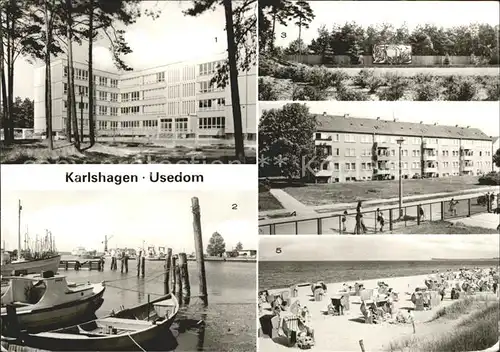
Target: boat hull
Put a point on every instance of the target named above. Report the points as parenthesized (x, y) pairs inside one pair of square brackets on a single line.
[(32, 266), (43, 319)]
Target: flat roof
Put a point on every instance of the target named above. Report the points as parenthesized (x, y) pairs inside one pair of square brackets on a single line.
[(335, 123)]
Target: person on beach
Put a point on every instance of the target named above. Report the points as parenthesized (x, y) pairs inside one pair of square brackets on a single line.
[(380, 219), (453, 206), (344, 221), (360, 225)]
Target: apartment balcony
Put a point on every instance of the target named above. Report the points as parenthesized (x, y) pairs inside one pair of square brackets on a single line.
[(468, 168), (430, 157), (322, 142), (381, 145), (430, 168), (381, 171), (430, 145), (467, 157)]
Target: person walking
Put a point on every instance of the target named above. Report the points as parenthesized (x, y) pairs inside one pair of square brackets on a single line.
[(421, 213), (113, 259), (380, 219), (344, 221), (360, 225), (453, 207), (488, 202)]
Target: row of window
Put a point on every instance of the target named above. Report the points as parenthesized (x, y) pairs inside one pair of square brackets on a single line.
[(366, 138), (83, 75), (404, 165), (209, 68), (393, 152), (211, 104)]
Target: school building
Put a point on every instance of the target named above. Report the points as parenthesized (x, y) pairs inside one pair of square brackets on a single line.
[(171, 101), (359, 149)]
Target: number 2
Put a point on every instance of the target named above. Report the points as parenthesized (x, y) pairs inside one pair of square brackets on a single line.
[(234, 206)]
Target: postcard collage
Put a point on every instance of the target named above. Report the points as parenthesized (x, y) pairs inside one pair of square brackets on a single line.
[(250, 175)]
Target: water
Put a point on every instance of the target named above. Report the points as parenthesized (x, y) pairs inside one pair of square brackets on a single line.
[(285, 274), (230, 316)]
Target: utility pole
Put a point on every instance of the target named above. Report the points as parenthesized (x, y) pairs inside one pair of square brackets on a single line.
[(20, 207), (400, 142)]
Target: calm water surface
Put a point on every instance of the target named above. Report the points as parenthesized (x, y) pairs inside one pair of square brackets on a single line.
[(285, 274), (230, 316)]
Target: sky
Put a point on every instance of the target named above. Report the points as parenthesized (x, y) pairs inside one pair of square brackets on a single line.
[(395, 247), (365, 13), (172, 37), (482, 115), (161, 218)]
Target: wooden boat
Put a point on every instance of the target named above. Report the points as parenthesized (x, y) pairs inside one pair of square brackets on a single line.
[(47, 301), (122, 331), (31, 266)]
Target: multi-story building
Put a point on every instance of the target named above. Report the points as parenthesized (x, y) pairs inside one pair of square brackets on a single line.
[(172, 101), (360, 149), (494, 148)]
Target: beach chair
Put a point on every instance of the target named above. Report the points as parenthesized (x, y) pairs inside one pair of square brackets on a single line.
[(336, 303), (357, 288), (318, 294), (419, 302), (345, 301), (366, 294), (435, 299), (291, 328), (285, 295), (275, 323)]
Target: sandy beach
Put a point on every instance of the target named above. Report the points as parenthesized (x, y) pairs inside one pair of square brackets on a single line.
[(343, 333)]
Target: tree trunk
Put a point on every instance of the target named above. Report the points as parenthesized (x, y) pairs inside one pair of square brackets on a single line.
[(300, 33), (10, 76), (91, 76), (71, 86), (68, 103), (48, 79), (273, 30), (5, 108), (233, 77)]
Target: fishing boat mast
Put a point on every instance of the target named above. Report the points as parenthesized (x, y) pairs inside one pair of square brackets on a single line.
[(19, 230)]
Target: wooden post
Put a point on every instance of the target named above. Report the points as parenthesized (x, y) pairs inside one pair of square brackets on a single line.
[(139, 258), (199, 249), (172, 273), (166, 280), (185, 285), (178, 283), (143, 266), (413, 324), (362, 345)]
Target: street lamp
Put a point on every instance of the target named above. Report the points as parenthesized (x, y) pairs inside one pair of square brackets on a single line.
[(400, 143)]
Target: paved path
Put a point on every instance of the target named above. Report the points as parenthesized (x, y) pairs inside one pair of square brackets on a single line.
[(486, 220), (290, 203), (307, 223)]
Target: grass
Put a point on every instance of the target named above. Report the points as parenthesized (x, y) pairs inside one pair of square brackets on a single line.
[(118, 152), (478, 330), (323, 194), (268, 202), (302, 82), (444, 227)]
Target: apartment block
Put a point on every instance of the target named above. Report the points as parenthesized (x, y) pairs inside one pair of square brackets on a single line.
[(359, 149), (172, 101)]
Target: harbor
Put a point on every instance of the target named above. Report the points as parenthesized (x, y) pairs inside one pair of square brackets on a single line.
[(176, 302)]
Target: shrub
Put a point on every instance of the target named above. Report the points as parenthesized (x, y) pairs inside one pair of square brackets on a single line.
[(322, 77), (462, 89), (493, 179), (266, 68), (420, 78), (345, 93), (493, 90), (396, 87), (308, 94), (427, 91), (267, 90)]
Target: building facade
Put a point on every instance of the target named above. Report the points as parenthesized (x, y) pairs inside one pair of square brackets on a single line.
[(360, 149), (171, 101)]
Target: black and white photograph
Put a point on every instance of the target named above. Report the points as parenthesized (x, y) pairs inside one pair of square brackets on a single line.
[(122, 82), (379, 50), (379, 293), (128, 271), (379, 168)]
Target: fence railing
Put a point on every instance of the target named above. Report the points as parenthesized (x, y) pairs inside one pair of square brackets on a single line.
[(411, 215)]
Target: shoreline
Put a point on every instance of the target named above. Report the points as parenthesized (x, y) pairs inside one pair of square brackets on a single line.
[(343, 332)]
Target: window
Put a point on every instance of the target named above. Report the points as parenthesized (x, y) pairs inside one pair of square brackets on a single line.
[(102, 125), (103, 110), (212, 122), (207, 87), (336, 151), (363, 166), (351, 138), (336, 166), (365, 138), (65, 71), (350, 152), (211, 104), (353, 166), (166, 124), (150, 123), (103, 95), (114, 83), (181, 125), (114, 111), (134, 96), (347, 166), (103, 81), (393, 152), (65, 88), (124, 97), (114, 96), (160, 77), (209, 68)]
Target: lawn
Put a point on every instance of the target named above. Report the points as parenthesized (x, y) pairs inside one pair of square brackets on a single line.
[(119, 152), (268, 202), (444, 227), (330, 193)]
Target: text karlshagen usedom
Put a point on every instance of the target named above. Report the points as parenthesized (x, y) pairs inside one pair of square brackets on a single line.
[(118, 179)]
